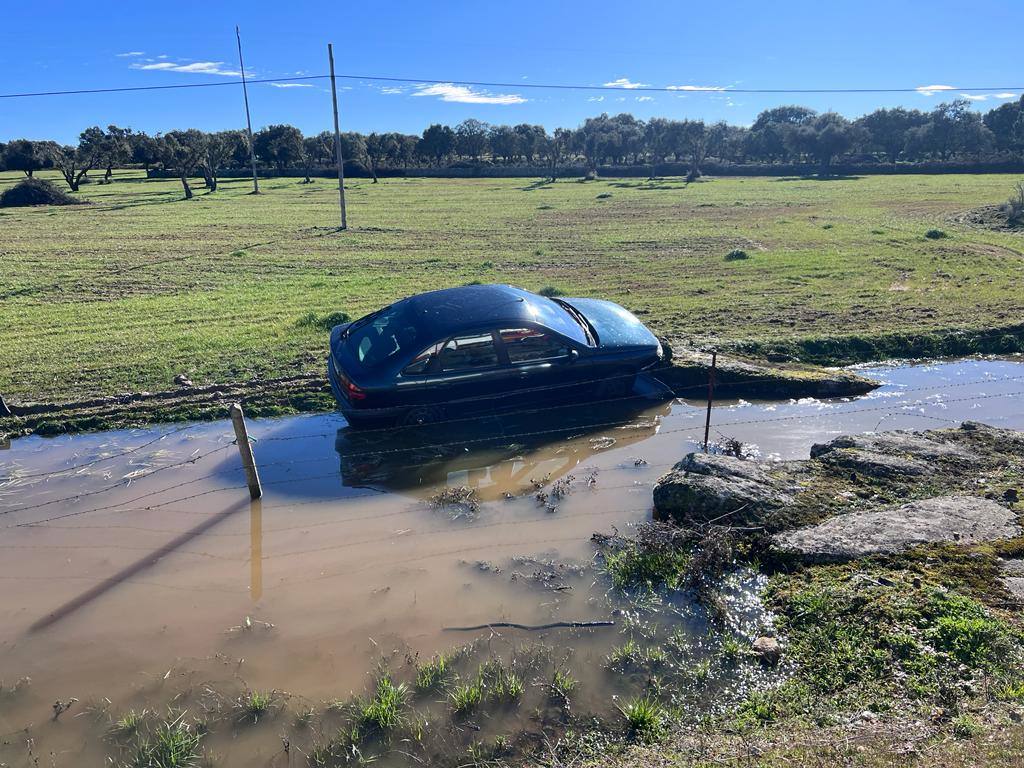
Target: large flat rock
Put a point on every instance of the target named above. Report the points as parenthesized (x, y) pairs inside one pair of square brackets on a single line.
[(893, 529), (852, 472), (709, 488)]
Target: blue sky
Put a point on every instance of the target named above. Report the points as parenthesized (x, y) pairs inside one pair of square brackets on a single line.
[(739, 44)]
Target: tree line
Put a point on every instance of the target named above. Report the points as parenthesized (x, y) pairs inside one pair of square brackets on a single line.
[(786, 134)]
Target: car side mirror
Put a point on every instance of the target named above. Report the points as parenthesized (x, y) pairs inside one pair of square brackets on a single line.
[(574, 355)]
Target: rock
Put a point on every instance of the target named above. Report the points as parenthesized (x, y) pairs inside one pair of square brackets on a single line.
[(873, 463), (900, 452), (767, 649), (893, 529), (4, 410), (707, 487), (182, 380)]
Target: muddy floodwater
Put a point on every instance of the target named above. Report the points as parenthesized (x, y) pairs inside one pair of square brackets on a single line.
[(135, 572)]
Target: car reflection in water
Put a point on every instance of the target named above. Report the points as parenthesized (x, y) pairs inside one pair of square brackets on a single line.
[(495, 455)]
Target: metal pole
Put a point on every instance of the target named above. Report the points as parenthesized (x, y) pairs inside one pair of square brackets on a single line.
[(711, 397), (248, 121), (337, 141), (245, 450)]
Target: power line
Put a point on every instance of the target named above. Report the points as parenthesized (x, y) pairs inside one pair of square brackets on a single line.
[(638, 88)]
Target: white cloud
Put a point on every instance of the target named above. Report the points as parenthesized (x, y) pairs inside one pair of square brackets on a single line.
[(596, 98), (464, 95), (195, 68), (931, 90), (625, 82), (696, 87), (290, 85), (645, 98), (1006, 95), (392, 90), (974, 96), (130, 54)]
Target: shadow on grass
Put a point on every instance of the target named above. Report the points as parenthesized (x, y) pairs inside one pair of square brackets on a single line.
[(835, 177), (539, 184)]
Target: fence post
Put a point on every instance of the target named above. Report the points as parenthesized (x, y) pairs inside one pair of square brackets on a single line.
[(711, 397), (245, 450)]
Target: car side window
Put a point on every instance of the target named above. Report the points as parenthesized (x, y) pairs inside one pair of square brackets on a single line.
[(469, 353), (422, 361), (528, 345)]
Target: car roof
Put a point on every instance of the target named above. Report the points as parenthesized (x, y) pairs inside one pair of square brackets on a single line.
[(446, 312)]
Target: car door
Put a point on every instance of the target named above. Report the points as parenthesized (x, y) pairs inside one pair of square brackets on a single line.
[(543, 365), (471, 374)]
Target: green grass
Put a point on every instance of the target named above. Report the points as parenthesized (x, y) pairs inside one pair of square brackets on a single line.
[(383, 712), (865, 638), (645, 718), (252, 705), (174, 744), (432, 674), (127, 292)]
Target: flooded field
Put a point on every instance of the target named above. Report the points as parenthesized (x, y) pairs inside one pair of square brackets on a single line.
[(135, 574)]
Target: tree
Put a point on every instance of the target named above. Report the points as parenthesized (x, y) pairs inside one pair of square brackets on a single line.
[(75, 162), (378, 147), (555, 148), (532, 140), (114, 148), (1002, 122), (221, 149), (504, 143), (770, 134), (437, 143), (887, 129), (184, 151), (280, 145), (145, 150), (471, 138), (405, 152), (695, 142), (25, 155)]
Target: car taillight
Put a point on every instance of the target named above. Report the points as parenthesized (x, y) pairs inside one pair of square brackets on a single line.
[(353, 392)]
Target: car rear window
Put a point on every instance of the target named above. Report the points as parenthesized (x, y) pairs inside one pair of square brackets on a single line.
[(380, 337), (468, 353), (528, 345)]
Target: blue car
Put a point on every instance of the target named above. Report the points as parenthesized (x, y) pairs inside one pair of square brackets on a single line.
[(462, 352)]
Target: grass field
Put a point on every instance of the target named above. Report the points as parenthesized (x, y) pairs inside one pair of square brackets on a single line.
[(125, 293)]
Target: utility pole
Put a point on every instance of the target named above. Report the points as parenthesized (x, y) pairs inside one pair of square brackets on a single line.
[(248, 120), (337, 141)]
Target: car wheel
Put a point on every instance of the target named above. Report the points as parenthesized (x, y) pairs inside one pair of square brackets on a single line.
[(428, 414)]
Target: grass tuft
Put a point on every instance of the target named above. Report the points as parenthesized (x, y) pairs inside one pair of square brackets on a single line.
[(384, 711), (174, 744), (935, 234), (551, 291), (432, 674), (736, 254), (645, 719)]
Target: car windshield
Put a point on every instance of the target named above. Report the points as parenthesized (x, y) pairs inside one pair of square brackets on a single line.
[(380, 337)]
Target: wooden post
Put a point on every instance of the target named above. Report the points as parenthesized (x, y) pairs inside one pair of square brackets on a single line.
[(711, 397), (245, 450), (337, 140), (248, 121)]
